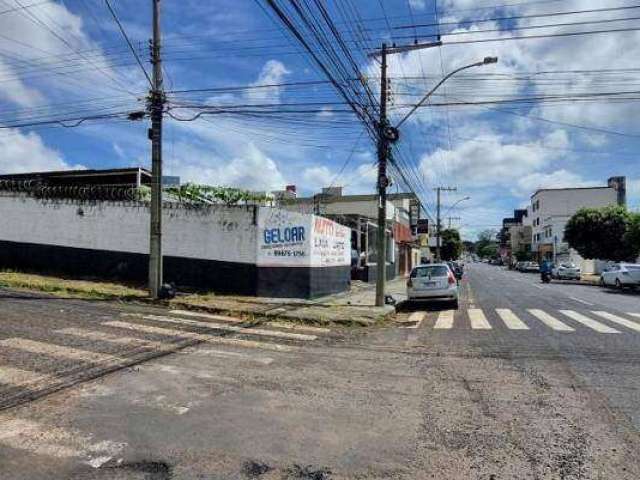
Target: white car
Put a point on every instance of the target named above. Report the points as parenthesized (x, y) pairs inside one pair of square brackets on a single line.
[(433, 282), (566, 271), (621, 275)]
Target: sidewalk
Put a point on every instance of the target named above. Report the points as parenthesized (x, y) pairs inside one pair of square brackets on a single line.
[(355, 307)]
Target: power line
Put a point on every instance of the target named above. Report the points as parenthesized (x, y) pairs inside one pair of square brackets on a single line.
[(124, 34), (516, 17)]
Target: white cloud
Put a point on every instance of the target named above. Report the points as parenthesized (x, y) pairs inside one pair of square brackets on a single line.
[(249, 168), (27, 153), (317, 177), (272, 73), (562, 178), (418, 4), (488, 160)]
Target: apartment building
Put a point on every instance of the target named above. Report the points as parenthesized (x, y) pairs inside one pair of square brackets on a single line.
[(551, 209)]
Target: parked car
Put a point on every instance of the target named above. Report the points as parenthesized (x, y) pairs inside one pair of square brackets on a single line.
[(621, 275), (566, 271), (532, 267), (433, 282), (457, 269), (519, 266)]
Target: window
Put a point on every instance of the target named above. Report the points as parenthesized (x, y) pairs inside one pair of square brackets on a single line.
[(430, 271)]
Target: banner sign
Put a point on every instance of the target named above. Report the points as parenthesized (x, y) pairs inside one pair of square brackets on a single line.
[(291, 239)]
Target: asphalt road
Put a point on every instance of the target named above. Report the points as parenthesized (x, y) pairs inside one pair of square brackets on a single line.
[(523, 381)]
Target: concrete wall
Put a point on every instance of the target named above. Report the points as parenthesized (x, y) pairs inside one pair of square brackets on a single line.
[(247, 250), (212, 233)]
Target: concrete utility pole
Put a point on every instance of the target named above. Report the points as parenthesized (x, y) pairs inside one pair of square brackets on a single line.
[(383, 153), (438, 222), (156, 105)]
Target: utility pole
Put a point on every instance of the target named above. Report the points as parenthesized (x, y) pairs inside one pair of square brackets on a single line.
[(383, 152), (438, 222), (156, 105)]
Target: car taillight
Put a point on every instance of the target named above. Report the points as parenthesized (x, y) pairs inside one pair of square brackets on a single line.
[(409, 283), (452, 279)]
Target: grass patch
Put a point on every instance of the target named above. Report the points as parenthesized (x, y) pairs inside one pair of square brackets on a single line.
[(62, 287)]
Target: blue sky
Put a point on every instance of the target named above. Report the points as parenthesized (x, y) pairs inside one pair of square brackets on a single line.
[(66, 59)]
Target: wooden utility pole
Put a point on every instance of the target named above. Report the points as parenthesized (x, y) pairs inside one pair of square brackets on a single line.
[(156, 105)]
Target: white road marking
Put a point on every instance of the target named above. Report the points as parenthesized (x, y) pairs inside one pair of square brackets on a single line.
[(21, 378), (445, 319), (210, 316), (231, 328), (478, 320), (637, 315), (619, 320), (223, 354), (197, 336), (418, 318), (301, 328), (108, 337), (50, 441), (550, 321), (537, 286), (582, 301), (593, 324), (511, 320), (56, 350)]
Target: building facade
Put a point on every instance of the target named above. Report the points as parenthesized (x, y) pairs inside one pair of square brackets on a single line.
[(551, 209), (360, 214)]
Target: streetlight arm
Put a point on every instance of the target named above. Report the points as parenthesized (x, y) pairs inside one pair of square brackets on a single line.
[(487, 60), (456, 203)]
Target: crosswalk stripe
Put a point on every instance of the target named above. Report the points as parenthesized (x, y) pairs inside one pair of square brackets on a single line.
[(478, 320), (210, 316), (107, 337), (445, 320), (588, 322), (511, 320), (550, 321), (301, 328), (417, 316), (201, 337), (617, 319), (637, 315), (20, 378), (56, 350), (232, 328)]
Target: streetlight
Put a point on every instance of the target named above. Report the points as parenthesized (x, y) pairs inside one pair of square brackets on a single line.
[(456, 203), (485, 61)]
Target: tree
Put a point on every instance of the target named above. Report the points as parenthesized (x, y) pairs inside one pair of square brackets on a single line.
[(601, 233), (486, 245), (451, 245), (632, 237)]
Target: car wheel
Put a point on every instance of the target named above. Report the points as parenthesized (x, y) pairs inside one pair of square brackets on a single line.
[(455, 304), (618, 284), (602, 284)]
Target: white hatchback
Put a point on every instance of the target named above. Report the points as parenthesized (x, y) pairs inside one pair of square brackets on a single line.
[(435, 281)]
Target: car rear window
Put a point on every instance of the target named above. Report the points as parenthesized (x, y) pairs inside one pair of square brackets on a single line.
[(433, 271), (632, 267)]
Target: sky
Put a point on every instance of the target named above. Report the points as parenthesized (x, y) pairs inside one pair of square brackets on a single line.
[(555, 111)]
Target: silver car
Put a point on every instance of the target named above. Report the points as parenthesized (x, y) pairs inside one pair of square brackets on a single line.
[(433, 282), (566, 271), (621, 275)]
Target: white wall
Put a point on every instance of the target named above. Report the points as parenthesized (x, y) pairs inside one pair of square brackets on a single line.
[(231, 234), (214, 233)]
